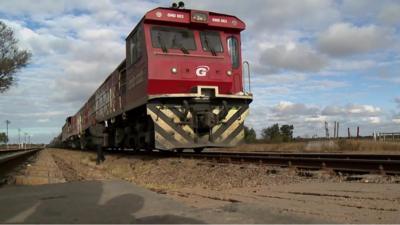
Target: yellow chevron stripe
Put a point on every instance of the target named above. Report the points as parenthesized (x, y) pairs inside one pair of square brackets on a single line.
[(228, 116), (162, 143), (186, 128), (166, 127), (237, 139), (233, 127)]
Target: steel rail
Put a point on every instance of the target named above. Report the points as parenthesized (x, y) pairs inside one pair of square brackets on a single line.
[(306, 155), (362, 163), (8, 155)]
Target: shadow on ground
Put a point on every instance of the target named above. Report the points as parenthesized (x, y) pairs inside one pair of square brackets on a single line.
[(81, 202)]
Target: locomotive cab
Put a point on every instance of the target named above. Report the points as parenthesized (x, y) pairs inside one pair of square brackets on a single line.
[(186, 52)]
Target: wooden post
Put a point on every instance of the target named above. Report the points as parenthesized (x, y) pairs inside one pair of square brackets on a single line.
[(358, 132), (334, 130), (337, 130)]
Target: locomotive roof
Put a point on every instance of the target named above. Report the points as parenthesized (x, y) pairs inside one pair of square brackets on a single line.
[(174, 15), (170, 16)]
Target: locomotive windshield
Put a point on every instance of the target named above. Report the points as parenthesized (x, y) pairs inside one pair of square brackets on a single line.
[(173, 38), (211, 41)]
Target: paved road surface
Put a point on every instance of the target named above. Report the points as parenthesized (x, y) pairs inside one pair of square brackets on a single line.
[(117, 202)]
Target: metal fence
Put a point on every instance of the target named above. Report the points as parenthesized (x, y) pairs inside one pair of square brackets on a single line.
[(394, 136)]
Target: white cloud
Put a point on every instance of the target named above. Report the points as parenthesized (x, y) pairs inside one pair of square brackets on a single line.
[(373, 120), (324, 85), (286, 108), (351, 110), (390, 14), (344, 39), (316, 119), (43, 120), (276, 15), (292, 57)]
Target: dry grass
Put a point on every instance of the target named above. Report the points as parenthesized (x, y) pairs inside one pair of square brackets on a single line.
[(368, 145), (293, 146), (342, 145)]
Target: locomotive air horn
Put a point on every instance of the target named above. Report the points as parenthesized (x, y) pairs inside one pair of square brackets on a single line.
[(174, 5), (181, 5)]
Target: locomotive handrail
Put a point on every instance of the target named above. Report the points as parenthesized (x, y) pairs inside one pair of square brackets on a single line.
[(248, 73)]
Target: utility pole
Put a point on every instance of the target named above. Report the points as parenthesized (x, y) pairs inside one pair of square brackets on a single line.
[(358, 132), (26, 134), (337, 130), (334, 130), (326, 130), (7, 122), (348, 132), (19, 138)]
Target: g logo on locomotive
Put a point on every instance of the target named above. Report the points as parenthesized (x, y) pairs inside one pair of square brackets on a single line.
[(201, 71)]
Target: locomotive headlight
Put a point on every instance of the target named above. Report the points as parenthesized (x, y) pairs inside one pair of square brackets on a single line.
[(229, 73), (174, 70)]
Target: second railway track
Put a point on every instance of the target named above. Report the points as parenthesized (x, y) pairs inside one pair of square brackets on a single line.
[(8, 155), (10, 160), (340, 162), (388, 164)]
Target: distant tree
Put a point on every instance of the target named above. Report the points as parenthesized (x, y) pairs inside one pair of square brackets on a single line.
[(278, 134), (3, 138), (249, 135), (272, 133), (287, 132), (12, 59)]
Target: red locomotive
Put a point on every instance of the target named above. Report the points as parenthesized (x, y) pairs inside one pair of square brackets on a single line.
[(180, 86)]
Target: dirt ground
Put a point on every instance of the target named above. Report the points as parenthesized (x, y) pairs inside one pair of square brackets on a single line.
[(317, 195)]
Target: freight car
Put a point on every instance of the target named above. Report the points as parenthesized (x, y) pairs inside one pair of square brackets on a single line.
[(180, 87)]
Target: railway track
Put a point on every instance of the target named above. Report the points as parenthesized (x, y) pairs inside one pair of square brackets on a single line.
[(10, 160), (11, 154), (339, 162)]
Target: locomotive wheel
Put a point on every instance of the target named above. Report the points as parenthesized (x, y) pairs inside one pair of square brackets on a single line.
[(198, 150), (179, 150)]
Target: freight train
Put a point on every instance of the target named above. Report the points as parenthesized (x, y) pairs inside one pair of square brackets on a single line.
[(180, 87)]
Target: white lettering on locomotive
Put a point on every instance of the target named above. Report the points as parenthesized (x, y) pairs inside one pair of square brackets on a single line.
[(174, 15), (201, 71), (219, 20)]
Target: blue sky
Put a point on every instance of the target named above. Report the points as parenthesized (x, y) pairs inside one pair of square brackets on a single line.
[(312, 61)]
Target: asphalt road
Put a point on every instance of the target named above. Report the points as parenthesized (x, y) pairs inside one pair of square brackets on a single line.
[(118, 202)]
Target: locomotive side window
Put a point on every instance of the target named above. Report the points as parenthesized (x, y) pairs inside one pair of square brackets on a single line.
[(233, 49), (211, 41), (135, 48), (172, 38)]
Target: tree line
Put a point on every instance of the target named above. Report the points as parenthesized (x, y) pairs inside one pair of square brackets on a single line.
[(274, 133), (3, 137)]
